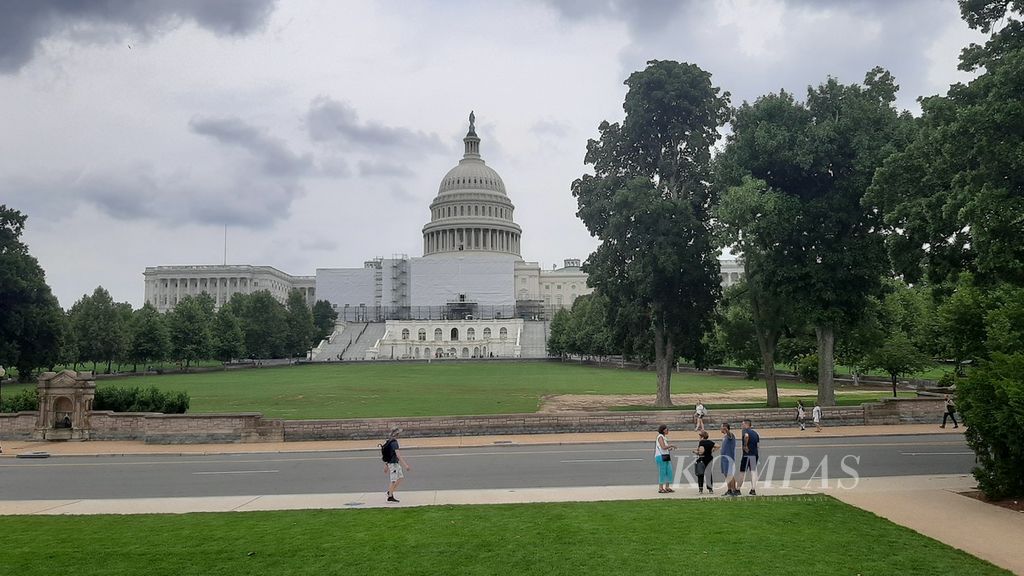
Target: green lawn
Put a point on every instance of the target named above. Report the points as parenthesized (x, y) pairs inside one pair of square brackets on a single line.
[(416, 389), (842, 399), (779, 536)]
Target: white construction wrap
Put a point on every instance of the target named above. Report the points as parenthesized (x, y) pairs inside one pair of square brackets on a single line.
[(341, 286), (486, 280)]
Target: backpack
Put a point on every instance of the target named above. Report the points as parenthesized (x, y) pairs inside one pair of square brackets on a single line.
[(387, 450)]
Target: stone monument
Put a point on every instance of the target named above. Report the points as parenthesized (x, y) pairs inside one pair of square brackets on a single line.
[(65, 401)]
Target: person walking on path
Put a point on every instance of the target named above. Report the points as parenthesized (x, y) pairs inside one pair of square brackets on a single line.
[(748, 463), (950, 413), (801, 414), (393, 463), (705, 453), (816, 416), (699, 412), (663, 459), (729, 460)]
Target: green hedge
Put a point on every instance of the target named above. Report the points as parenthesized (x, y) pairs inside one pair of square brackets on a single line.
[(24, 400), (140, 400), (991, 401)]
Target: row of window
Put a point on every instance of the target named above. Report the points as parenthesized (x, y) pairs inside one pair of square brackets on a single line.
[(454, 334), (466, 210), (488, 182), (451, 353)]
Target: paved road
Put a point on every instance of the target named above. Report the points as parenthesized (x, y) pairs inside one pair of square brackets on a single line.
[(87, 477)]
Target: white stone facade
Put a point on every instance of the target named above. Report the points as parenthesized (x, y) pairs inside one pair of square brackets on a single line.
[(421, 339), (166, 285)]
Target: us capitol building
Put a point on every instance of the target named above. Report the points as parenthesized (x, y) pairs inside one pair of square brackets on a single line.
[(471, 294)]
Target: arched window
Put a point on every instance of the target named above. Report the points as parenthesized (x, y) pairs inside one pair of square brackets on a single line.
[(422, 335), (503, 333), (417, 351), (437, 335), (455, 334), (453, 353), (405, 333), (487, 333), (465, 352), (470, 334), (476, 352), (426, 352)]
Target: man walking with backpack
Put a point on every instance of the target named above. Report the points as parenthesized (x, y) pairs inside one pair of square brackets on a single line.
[(393, 463)]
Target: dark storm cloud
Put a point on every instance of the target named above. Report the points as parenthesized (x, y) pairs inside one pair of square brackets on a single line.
[(332, 121), (24, 24), (272, 154)]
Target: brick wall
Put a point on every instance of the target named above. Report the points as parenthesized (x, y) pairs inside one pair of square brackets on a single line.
[(252, 427), (368, 428), (17, 426)]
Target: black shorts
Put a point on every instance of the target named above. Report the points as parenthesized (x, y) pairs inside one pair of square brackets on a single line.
[(748, 460)]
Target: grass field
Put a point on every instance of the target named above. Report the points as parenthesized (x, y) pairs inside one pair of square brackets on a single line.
[(778, 536), (417, 389), (842, 399)]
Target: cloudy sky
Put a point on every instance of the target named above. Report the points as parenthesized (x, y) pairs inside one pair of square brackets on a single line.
[(132, 132)]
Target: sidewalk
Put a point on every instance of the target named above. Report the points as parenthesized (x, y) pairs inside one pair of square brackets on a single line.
[(125, 448)]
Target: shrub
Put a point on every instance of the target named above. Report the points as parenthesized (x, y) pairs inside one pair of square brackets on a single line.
[(947, 380), (138, 400), (807, 368), (991, 400), (24, 401), (752, 369)]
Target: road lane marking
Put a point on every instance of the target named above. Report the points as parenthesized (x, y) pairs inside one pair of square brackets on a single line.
[(239, 472), (603, 460), (937, 453)]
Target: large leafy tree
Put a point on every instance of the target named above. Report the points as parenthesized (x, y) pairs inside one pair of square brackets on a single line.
[(300, 324), (816, 159), (31, 321), (228, 338), (324, 318), (754, 221), (953, 200), (649, 203), (100, 331), (190, 327), (150, 340), (264, 322)]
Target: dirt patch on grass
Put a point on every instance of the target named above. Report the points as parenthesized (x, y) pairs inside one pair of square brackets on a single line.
[(595, 403), (1014, 504)]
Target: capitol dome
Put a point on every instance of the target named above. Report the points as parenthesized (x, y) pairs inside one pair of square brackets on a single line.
[(472, 211)]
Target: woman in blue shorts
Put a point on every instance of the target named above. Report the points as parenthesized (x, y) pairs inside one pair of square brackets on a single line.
[(729, 460), (663, 459)]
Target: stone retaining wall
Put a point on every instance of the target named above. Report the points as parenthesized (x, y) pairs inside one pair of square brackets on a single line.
[(252, 427)]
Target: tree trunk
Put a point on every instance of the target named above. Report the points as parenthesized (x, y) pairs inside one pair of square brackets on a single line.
[(663, 366), (109, 362), (826, 384), (768, 366), (893, 385)]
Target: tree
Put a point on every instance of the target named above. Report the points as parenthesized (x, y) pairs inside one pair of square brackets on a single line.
[(752, 220), (265, 324), (961, 324), (300, 325), (189, 326), (736, 334), (30, 319), (150, 340), (816, 159), (558, 335), (953, 200), (649, 203), (228, 339), (897, 356), (324, 319)]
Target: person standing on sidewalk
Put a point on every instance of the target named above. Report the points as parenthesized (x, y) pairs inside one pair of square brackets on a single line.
[(801, 414), (663, 459), (816, 416), (729, 460), (950, 413), (705, 453), (393, 463), (751, 439), (699, 412)]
